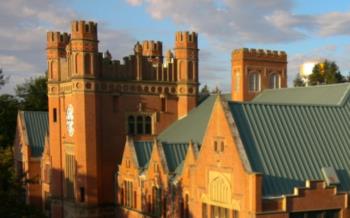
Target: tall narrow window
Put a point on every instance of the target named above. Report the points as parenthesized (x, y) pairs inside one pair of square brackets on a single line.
[(190, 71), (131, 125), (87, 64), (163, 106), (204, 210), (148, 125), (139, 121), (70, 176), (254, 82), (54, 115), (274, 81), (82, 194), (187, 207)]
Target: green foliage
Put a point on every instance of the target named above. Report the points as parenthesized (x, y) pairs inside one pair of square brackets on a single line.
[(326, 72), (3, 79), (33, 94), (8, 115), (205, 90), (216, 90), (11, 190), (298, 82)]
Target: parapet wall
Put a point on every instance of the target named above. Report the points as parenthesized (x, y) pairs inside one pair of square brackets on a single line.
[(84, 30), (246, 53), (152, 48), (57, 40)]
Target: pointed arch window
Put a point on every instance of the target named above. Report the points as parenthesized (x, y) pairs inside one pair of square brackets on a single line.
[(274, 81)]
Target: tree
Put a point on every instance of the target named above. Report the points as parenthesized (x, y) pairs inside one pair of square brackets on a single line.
[(326, 72), (3, 79), (12, 190), (216, 90), (33, 94), (8, 116), (205, 90), (298, 82)]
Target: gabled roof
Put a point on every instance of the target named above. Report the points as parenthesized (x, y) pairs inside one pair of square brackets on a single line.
[(36, 127), (290, 143), (143, 151), (313, 95), (192, 127)]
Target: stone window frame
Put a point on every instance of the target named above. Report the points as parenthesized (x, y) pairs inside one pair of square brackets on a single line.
[(276, 83), (144, 115)]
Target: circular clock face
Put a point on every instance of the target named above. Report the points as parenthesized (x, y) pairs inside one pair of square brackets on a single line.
[(70, 120)]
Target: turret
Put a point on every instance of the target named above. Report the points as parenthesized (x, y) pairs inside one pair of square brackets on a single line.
[(84, 49), (56, 49), (186, 53), (186, 57), (254, 70), (153, 50)]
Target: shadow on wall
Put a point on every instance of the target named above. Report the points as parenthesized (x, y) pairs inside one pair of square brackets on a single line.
[(171, 203)]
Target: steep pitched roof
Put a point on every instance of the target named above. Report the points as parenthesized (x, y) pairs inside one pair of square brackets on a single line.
[(143, 151), (192, 127), (313, 95), (290, 143), (36, 127)]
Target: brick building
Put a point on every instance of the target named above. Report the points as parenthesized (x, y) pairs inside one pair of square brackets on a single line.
[(135, 139)]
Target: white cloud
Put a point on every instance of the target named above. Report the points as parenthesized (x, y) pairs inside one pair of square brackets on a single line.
[(23, 27), (135, 2)]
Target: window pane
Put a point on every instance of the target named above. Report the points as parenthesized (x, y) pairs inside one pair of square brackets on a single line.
[(131, 125), (274, 81), (148, 125), (139, 125), (332, 214), (254, 82)]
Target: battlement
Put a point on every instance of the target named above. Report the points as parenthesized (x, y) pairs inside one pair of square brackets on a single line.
[(186, 39), (84, 30), (57, 39), (259, 53), (152, 48)]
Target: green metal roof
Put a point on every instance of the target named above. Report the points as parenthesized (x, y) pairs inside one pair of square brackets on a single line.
[(36, 124), (290, 144), (143, 151), (192, 127), (174, 154), (312, 95)]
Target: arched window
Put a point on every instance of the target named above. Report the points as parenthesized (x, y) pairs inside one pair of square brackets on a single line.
[(190, 70), (274, 81), (87, 62), (131, 125), (148, 125), (254, 82), (139, 121)]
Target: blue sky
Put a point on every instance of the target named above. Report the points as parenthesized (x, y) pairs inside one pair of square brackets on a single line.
[(306, 30)]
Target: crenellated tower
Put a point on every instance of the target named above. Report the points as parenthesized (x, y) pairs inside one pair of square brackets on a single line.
[(56, 49), (254, 70), (95, 102), (84, 49), (186, 55)]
